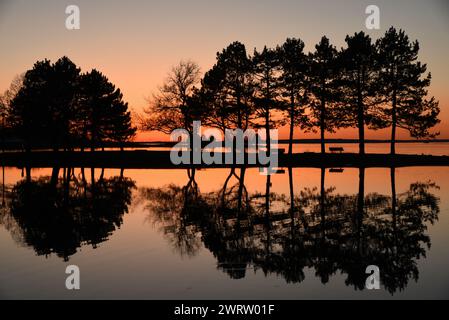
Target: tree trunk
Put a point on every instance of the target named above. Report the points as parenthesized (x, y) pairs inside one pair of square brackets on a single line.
[(267, 199), (361, 194), (323, 202), (292, 125), (393, 202), (67, 186), (360, 207), (292, 195), (92, 176), (393, 125), (225, 186), (323, 116), (92, 183), (240, 190), (83, 175), (267, 128), (54, 177), (28, 173), (239, 113), (360, 119), (267, 116), (322, 126)]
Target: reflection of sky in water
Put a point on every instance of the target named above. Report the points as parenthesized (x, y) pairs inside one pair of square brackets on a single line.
[(137, 260)]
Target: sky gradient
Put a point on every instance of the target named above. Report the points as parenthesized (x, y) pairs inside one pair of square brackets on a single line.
[(135, 42)]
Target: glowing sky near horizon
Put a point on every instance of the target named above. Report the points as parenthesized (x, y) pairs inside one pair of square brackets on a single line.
[(136, 42)]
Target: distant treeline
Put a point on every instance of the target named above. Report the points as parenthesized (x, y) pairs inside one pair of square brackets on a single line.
[(370, 84)]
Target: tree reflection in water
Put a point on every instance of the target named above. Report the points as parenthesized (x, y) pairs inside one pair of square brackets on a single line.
[(59, 215), (316, 228)]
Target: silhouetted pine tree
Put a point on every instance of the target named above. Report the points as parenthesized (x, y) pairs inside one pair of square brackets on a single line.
[(324, 75), (403, 87), (103, 115), (267, 87), (65, 87), (295, 84), (228, 89), (359, 84), (40, 111), (120, 124)]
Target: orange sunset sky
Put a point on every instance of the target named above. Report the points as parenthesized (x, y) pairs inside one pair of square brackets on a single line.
[(135, 43)]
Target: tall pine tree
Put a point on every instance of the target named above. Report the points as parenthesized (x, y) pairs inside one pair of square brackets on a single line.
[(403, 88), (228, 89), (267, 95), (360, 90), (103, 115), (295, 84), (324, 75), (41, 110)]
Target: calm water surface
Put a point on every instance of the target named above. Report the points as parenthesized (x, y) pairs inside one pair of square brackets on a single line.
[(156, 234)]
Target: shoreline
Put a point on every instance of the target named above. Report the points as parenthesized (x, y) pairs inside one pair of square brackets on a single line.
[(144, 159)]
